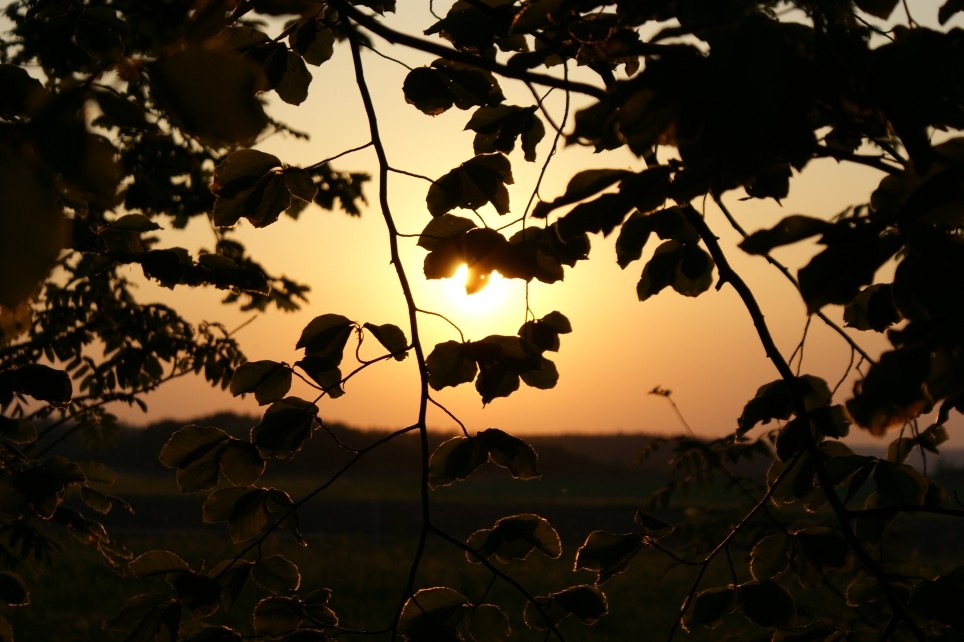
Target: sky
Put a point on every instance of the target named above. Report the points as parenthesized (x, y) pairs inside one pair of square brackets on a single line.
[(702, 349)]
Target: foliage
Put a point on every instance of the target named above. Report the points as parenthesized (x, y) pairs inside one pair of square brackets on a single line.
[(120, 118)]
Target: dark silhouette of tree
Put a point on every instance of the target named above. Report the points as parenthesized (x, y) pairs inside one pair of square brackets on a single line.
[(122, 117)]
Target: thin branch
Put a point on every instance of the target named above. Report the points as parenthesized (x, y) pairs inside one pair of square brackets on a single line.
[(427, 46), (786, 273), (729, 275), (337, 156)]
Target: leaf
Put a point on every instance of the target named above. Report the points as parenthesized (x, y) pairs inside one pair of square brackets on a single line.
[(899, 485), (193, 451), (285, 427), (873, 309), (276, 574), (710, 606), (581, 186), (292, 87), (40, 382), (432, 615), (277, 615), (484, 623), (633, 234), (321, 372), (268, 380), (455, 459), (775, 401), (694, 273), (450, 364), (157, 618), (770, 557), (313, 40), (249, 184), (20, 93), (653, 526), (300, 184), (240, 463), (789, 230), (391, 337), (325, 337), (244, 510), (510, 452), (660, 272), (514, 538), (608, 554), (767, 603), (443, 227), (199, 594), (427, 89), (211, 93), (13, 590), (497, 129), (471, 185), (157, 562), (878, 8), (587, 603), (948, 9)]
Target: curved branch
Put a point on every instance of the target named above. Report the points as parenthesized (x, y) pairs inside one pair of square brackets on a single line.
[(427, 46), (729, 275)]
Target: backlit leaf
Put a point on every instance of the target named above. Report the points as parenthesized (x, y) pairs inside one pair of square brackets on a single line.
[(510, 452), (268, 380), (789, 230), (285, 427), (455, 459), (770, 557), (325, 337), (277, 615), (13, 590), (587, 603), (157, 562), (710, 606), (514, 538), (276, 574), (432, 615), (443, 227), (581, 186), (450, 364), (608, 554), (391, 337)]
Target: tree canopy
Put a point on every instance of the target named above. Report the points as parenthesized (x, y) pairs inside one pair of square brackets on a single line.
[(121, 118)]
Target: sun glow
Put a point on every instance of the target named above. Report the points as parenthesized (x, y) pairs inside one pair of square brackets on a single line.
[(479, 295)]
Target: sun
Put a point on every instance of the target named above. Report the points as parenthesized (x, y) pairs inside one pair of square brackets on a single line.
[(478, 294)]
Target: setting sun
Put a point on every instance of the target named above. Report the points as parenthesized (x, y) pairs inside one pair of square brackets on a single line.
[(478, 294)]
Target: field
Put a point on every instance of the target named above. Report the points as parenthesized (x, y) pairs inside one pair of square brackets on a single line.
[(362, 533)]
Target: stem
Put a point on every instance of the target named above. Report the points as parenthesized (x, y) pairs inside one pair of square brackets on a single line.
[(383, 172), (728, 275)]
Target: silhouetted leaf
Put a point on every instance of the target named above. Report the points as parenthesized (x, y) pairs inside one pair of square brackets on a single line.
[(268, 380), (653, 526), (276, 574), (20, 93), (710, 606), (285, 427), (211, 93), (898, 485), (240, 463), (496, 129), (450, 364), (770, 557), (484, 623), (157, 562), (325, 337), (775, 401), (878, 8), (250, 184), (632, 238), (324, 374), (243, 509), (432, 615), (872, 309), (13, 590), (892, 392), (587, 603), (789, 230), (581, 186), (510, 452), (194, 451), (455, 459), (608, 554), (277, 615), (471, 185), (443, 227), (767, 603), (514, 538), (948, 9), (427, 89), (391, 337), (313, 39), (816, 549), (157, 618), (38, 381)]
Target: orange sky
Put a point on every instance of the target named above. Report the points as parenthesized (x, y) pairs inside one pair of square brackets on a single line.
[(703, 349)]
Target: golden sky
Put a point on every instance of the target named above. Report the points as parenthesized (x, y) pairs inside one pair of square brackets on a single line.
[(702, 349)]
